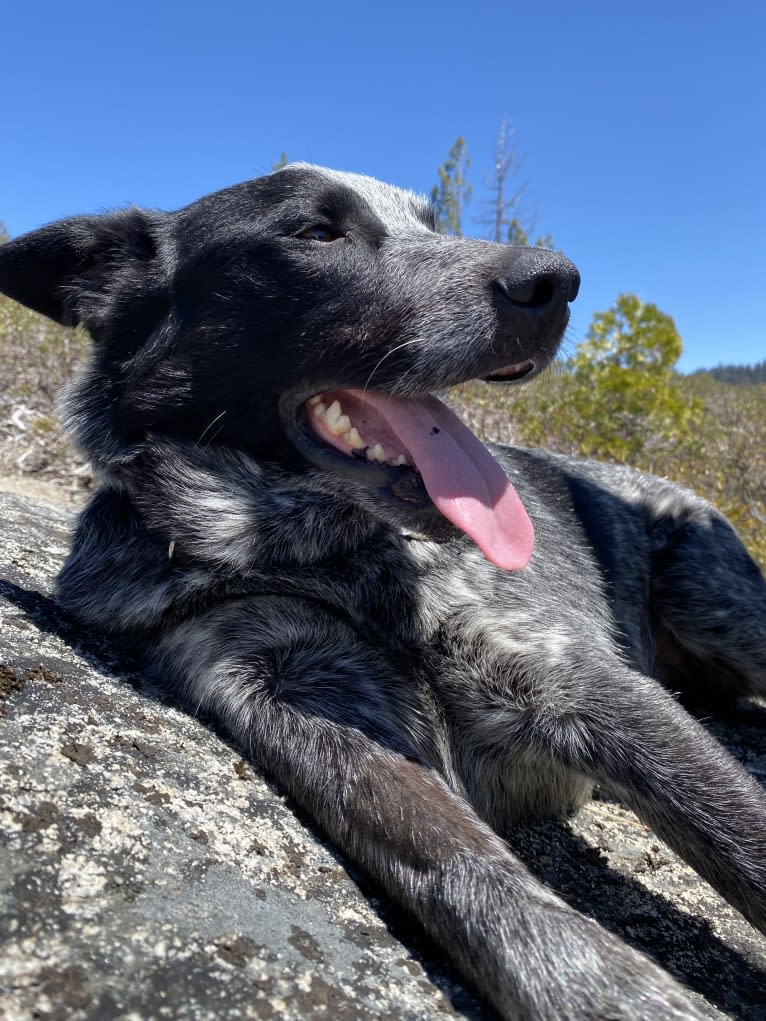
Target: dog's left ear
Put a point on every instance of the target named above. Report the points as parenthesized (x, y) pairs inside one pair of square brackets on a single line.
[(71, 271)]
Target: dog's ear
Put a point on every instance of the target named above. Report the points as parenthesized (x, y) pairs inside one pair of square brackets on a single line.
[(71, 271)]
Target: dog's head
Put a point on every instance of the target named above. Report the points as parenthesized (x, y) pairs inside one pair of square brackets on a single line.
[(306, 318)]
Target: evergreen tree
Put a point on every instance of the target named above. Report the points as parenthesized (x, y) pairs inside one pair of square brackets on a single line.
[(450, 195), (516, 234)]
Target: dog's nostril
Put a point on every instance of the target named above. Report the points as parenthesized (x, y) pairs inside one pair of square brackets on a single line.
[(532, 293), (536, 279)]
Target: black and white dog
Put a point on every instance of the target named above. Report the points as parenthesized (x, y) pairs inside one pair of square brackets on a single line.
[(425, 641)]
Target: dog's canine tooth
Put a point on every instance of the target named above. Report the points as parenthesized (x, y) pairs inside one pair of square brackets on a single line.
[(337, 423), (333, 413)]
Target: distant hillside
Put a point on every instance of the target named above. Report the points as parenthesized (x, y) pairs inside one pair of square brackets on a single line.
[(739, 375)]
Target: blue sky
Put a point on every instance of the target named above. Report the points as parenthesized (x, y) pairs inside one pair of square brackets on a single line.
[(643, 126)]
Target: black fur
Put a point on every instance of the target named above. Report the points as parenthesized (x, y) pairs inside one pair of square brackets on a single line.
[(417, 700)]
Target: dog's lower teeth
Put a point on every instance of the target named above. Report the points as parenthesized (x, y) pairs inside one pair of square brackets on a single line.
[(376, 453), (354, 439)]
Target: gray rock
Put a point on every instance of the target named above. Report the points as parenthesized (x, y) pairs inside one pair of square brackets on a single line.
[(147, 871)]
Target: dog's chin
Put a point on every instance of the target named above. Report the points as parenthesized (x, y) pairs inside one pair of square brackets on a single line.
[(394, 493)]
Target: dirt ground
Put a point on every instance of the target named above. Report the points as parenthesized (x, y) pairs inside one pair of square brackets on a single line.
[(53, 489)]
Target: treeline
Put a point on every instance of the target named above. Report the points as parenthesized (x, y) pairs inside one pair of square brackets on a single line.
[(739, 375)]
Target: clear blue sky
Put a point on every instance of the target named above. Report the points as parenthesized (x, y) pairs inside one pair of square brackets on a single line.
[(643, 125)]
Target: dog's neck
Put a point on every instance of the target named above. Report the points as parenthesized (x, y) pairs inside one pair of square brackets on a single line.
[(218, 506), (186, 528)]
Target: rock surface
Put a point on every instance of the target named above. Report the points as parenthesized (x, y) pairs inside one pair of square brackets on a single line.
[(147, 871)]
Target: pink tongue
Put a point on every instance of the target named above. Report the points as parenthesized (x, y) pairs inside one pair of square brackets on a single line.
[(463, 479)]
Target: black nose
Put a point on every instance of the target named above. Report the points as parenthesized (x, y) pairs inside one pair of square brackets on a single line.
[(536, 279)]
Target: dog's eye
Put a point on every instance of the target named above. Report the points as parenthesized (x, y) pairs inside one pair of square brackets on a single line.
[(318, 233)]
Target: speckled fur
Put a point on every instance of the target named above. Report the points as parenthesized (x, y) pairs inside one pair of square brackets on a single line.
[(416, 700)]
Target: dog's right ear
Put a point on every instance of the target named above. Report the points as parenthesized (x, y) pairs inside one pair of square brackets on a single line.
[(72, 270)]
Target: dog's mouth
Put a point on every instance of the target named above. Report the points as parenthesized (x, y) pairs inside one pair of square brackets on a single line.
[(512, 373), (416, 452)]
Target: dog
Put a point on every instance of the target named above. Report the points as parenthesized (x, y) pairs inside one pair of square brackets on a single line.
[(426, 641)]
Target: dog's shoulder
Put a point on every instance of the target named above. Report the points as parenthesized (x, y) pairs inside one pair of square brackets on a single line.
[(179, 529)]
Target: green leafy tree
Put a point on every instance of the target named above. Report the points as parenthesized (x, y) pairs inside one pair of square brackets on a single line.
[(618, 397), (4, 235), (452, 193)]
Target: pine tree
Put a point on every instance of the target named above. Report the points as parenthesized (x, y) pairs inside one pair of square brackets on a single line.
[(450, 195)]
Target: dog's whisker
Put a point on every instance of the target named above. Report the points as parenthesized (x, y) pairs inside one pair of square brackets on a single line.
[(213, 434), (210, 425), (388, 354)]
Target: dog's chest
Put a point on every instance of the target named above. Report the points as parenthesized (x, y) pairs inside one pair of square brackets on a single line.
[(443, 609)]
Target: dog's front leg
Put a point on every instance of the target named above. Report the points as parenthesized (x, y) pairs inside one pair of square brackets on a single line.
[(331, 720), (631, 735)]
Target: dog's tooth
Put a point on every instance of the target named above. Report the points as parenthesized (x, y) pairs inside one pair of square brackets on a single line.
[(355, 439), (401, 460), (333, 412), (319, 410), (376, 453), (317, 399)]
